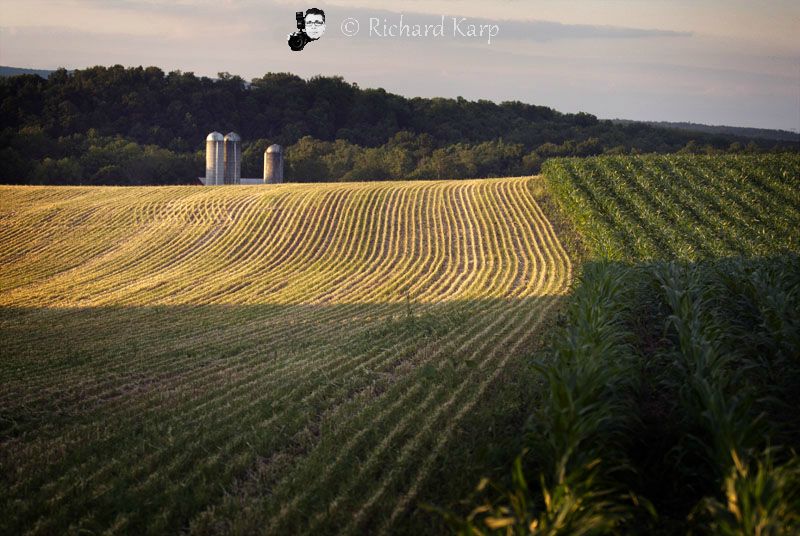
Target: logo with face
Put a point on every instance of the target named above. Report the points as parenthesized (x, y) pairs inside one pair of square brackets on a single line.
[(315, 24), (311, 26)]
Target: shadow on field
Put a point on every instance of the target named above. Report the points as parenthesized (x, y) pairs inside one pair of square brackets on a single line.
[(668, 406), (239, 418), (671, 382)]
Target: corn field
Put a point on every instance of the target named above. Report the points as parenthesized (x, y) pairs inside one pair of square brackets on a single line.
[(275, 359), (682, 207), (672, 384)]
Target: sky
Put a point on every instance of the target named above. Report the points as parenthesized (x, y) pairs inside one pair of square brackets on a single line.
[(720, 62)]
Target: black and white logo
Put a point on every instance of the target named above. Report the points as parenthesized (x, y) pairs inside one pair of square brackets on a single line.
[(310, 26)]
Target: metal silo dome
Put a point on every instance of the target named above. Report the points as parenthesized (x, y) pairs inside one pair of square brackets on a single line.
[(215, 136)]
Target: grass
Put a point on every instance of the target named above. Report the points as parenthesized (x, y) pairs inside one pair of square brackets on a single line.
[(276, 359)]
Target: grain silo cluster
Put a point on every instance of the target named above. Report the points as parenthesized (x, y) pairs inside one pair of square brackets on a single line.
[(223, 158), (224, 161)]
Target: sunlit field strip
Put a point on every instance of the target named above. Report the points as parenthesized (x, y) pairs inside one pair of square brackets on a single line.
[(388, 255), (373, 255), (143, 269), (15, 207), (207, 262), (53, 258), (265, 271), (108, 217), (271, 237), (160, 229), (478, 265), (378, 257), (150, 235)]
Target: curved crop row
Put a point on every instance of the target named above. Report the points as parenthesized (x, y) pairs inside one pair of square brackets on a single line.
[(286, 358)]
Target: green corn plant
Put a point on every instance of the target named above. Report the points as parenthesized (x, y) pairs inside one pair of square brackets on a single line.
[(703, 364), (577, 503), (758, 498)]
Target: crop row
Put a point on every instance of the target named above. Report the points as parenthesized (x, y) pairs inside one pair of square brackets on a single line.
[(288, 358), (686, 207)]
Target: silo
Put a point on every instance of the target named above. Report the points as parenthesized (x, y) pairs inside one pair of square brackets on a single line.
[(233, 158), (273, 164), (215, 162)]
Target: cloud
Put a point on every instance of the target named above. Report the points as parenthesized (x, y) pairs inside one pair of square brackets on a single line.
[(528, 30), (525, 30), (551, 31)]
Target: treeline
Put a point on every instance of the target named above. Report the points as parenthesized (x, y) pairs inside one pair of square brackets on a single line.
[(112, 125), (762, 133), (31, 157)]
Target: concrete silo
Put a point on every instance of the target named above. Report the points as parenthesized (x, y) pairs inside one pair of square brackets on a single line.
[(215, 159), (273, 164), (233, 158)]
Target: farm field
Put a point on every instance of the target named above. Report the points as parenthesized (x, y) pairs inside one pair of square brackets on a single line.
[(671, 387), (280, 359), (685, 207)]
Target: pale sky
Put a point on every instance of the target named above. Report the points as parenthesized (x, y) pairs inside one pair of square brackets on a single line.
[(731, 62)]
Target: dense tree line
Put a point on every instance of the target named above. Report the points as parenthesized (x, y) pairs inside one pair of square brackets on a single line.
[(116, 125), (762, 133)]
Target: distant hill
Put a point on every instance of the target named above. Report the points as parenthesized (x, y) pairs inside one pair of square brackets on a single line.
[(14, 71), (756, 133), (140, 125)]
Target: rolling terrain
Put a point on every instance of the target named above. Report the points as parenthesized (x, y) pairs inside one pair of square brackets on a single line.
[(280, 359)]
